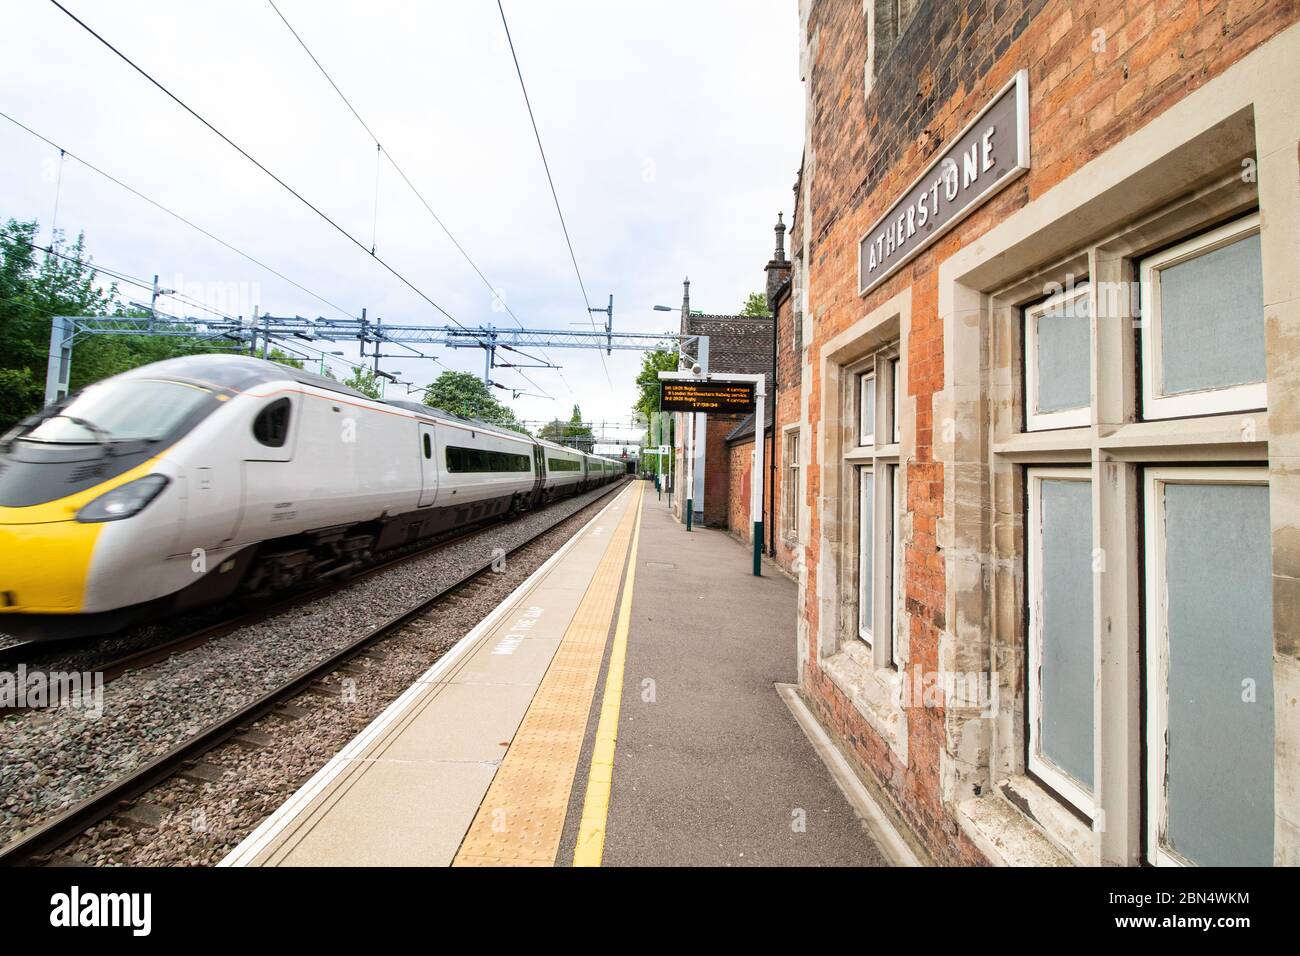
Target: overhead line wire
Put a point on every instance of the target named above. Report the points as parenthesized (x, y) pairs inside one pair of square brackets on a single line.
[(554, 195), (405, 178)]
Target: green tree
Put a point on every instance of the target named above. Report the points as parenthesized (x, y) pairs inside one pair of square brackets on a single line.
[(572, 433), (662, 359), (463, 393), (284, 358), (756, 304), (365, 381), (35, 289)]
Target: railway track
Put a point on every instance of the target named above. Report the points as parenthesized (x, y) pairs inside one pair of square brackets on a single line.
[(48, 837), (114, 667)]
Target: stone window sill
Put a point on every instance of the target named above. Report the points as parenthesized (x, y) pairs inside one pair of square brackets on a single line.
[(1022, 824), (875, 693)]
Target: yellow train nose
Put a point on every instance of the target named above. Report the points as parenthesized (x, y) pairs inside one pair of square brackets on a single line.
[(45, 552), (44, 566)]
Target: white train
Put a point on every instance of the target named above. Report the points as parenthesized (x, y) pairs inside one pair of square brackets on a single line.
[(194, 479)]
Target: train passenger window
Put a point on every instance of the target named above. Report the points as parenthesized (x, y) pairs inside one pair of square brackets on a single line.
[(563, 464), (428, 446), (271, 426), (480, 460)]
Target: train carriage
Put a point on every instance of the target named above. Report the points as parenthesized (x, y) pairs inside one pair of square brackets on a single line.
[(187, 481)]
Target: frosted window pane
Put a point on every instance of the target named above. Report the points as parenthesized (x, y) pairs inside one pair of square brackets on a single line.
[(1065, 723), (1212, 320), (1220, 618), (865, 519), (1064, 356)]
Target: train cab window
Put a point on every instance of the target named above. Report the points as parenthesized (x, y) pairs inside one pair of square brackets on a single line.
[(271, 426), (428, 446)]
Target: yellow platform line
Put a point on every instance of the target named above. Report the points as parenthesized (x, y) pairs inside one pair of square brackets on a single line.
[(521, 819), (590, 848)]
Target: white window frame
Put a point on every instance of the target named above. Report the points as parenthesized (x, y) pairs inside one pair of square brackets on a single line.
[(880, 460), (895, 365), (866, 475), (1070, 789), (1155, 405), (867, 385), (1156, 643), (1065, 418), (895, 473), (790, 486)]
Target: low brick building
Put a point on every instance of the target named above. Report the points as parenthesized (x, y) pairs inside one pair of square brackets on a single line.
[(781, 451), (737, 344), (1047, 290)]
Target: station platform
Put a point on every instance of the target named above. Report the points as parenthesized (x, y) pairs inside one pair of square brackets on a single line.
[(628, 704)]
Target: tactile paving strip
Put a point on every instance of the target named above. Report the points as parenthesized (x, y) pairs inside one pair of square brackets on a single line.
[(521, 819)]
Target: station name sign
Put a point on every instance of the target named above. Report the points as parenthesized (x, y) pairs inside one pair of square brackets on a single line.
[(989, 153), (724, 398)]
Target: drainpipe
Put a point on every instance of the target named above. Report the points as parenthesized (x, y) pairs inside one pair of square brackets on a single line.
[(771, 468)]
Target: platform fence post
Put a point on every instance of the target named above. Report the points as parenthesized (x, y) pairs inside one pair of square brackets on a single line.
[(690, 470)]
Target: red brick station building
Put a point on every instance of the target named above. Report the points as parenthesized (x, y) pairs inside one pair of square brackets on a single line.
[(1034, 450)]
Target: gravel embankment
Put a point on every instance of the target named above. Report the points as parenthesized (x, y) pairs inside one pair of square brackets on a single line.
[(51, 759)]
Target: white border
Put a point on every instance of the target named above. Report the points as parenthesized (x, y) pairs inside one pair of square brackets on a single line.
[(1155, 404), (1056, 778), (1068, 417), (1156, 639), (1021, 82), (257, 841)]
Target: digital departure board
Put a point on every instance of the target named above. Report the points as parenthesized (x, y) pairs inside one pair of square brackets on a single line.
[(725, 398)]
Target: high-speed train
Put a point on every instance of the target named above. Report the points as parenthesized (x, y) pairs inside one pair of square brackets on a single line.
[(194, 479)]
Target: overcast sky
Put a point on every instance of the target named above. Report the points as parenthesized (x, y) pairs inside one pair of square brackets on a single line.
[(673, 131)]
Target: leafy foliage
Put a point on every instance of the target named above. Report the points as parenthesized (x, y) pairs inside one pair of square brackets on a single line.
[(572, 433), (284, 358), (32, 291), (365, 381), (661, 359), (463, 393), (756, 304)]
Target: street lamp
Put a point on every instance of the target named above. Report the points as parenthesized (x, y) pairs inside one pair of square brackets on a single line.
[(323, 353)]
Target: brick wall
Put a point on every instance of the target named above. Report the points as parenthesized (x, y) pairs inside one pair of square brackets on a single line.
[(739, 520), (717, 470), (1098, 70), (789, 364), (739, 456)]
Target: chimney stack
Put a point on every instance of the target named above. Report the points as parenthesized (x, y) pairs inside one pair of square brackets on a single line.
[(686, 302), (778, 270)]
